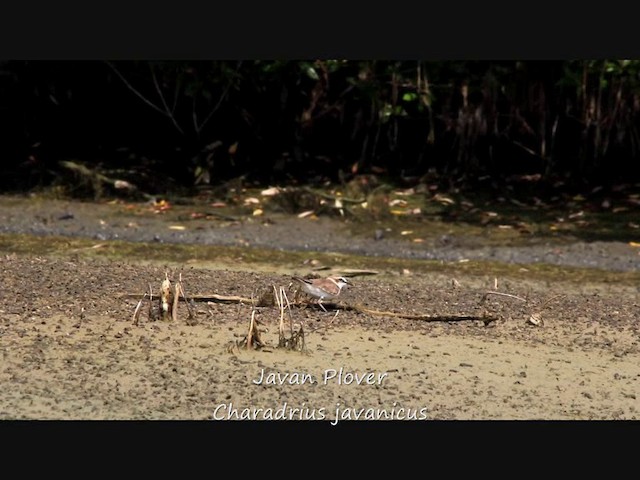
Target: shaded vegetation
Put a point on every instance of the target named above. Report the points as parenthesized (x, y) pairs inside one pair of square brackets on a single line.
[(173, 125)]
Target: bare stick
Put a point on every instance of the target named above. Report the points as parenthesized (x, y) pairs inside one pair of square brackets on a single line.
[(167, 112), (278, 300), (296, 339), (187, 303), (352, 272), (502, 295), (150, 311), (174, 305), (284, 294), (220, 100), (422, 317), (136, 92), (281, 305), (253, 338), (251, 327), (136, 312), (560, 295), (213, 298)]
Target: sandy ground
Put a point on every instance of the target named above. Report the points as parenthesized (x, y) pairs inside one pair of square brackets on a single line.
[(70, 349)]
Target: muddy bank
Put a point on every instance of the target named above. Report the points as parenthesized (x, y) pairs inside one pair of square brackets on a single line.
[(399, 238)]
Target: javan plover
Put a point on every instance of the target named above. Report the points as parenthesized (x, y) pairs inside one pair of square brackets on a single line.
[(323, 288)]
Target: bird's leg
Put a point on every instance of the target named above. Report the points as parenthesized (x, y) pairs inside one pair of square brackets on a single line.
[(321, 306)]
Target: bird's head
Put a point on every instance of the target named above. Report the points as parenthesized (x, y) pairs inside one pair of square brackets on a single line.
[(342, 282)]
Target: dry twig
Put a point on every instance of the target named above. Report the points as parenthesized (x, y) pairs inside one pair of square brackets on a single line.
[(136, 312), (296, 339), (191, 317), (422, 317), (502, 295)]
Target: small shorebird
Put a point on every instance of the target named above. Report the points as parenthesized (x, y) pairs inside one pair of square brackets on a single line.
[(322, 288)]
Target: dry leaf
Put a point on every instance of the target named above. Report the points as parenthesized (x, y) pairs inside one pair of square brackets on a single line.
[(177, 227), (123, 185), (270, 192), (442, 199)]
